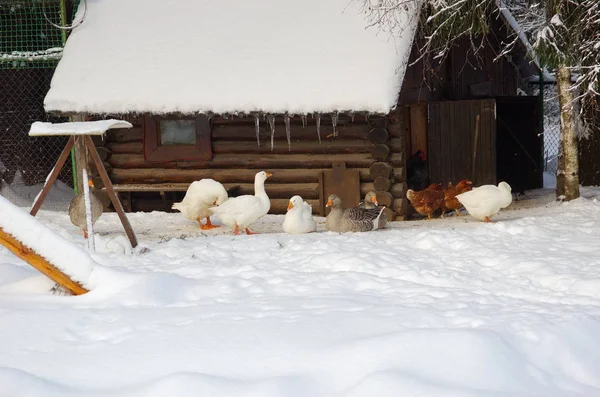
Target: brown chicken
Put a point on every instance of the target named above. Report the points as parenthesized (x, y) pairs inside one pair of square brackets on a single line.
[(450, 192), (427, 201)]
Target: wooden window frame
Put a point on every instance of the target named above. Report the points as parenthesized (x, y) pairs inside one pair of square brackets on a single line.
[(155, 152)]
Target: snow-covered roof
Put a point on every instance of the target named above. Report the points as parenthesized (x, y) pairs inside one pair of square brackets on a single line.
[(223, 56)]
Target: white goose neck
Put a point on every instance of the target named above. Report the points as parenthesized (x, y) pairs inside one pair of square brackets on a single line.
[(259, 188)]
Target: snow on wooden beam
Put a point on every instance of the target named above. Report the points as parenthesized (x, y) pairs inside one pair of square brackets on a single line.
[(63, 262), (76, 128), (40, 263)]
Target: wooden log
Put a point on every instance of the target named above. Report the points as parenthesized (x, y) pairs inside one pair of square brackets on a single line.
[(378, 135), (397, 159), (343, 118), (380, 152), (279, 190), (390, 214), (252, 161), (398, 190), (365, 188), (158, 175), (40, 263), (399, 206), (279, 206), (382, 184), (247, 132), (125, 135), (397, 145), (384, 198), (99, 140), (129, 147), (380, 169), (400, 218), (396, 130), (378, 122), (306, 190), (399, 174), (104, 153), (281, 147)]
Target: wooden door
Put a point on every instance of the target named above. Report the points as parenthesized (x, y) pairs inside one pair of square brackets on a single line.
[(462, 141)]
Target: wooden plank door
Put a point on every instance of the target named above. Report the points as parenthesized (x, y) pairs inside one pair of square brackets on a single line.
[(458, 138)]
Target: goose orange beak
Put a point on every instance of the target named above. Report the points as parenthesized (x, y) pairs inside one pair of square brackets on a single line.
[(290, 206), (329, 203), (374, 200), (269, 174), (91, 183)]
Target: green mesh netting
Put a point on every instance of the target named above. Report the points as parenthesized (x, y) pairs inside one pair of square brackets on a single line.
[(27, 38), (30, 48)]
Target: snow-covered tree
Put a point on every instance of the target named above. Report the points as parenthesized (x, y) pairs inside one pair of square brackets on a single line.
[(565, 36)]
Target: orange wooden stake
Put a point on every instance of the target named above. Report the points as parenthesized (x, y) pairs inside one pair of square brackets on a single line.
[(40, 263)]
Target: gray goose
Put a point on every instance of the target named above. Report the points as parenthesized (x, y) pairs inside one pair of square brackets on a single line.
[(77, 209), (351, 219), (370, 202)]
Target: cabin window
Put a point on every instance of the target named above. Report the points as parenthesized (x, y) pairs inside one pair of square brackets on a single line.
[(177, 132), (177, 138)]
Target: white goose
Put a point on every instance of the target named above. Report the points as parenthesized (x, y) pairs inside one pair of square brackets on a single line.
[(200, 196), (486, 201), (298, 218), (239, 212)]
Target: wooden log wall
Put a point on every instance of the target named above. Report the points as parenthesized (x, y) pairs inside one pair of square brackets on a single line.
[(373, 146)]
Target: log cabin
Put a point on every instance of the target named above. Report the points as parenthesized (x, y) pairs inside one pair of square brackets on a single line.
[(225, 89)]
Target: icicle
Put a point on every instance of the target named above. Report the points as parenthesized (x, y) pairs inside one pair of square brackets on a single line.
[(318, 118), (271, 120), (303, 117), (334, 120), (257, 125), (352, 117), (367, 116), (288, 134)]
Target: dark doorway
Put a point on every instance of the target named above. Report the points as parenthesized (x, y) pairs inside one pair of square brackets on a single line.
[(519, 144)]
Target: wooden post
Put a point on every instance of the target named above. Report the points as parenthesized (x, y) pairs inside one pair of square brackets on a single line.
[(80, 156), (111, 192), (40, 263), (52, 177), (475, 147)]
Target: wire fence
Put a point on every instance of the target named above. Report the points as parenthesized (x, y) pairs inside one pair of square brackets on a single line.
[(30, 48), (551, 128)]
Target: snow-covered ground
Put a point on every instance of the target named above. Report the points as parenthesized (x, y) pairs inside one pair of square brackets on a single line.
[(438, 308)]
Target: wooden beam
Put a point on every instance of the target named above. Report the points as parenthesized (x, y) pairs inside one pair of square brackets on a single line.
[(111, 192), (81, 160), (40, 263), (53, 175)]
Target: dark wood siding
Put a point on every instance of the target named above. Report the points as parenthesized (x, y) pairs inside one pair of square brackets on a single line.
[(296, 169), (589, 151), (451, 127)]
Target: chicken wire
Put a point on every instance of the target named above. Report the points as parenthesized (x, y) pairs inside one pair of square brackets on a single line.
[(551, 128), (30, 48)]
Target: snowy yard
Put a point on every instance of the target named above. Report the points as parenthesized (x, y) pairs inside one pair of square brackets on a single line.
[(441, 308)]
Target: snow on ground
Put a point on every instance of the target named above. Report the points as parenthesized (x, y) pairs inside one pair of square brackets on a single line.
[(22, 195), (448, 307)]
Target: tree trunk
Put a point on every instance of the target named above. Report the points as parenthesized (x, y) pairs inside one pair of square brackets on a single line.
[(568, 131)]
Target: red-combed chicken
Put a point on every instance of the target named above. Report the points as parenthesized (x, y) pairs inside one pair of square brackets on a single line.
[(427, 201), (450, 192)]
